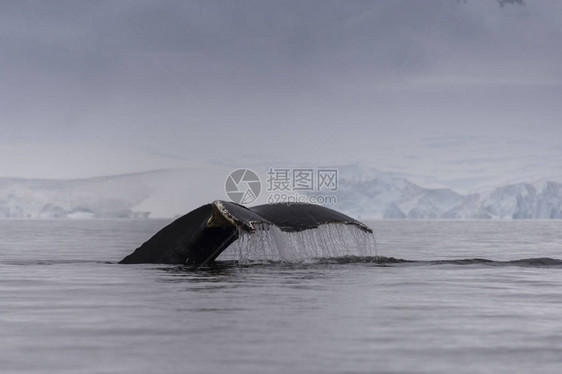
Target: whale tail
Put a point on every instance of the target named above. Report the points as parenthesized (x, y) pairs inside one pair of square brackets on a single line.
[(203, 234)]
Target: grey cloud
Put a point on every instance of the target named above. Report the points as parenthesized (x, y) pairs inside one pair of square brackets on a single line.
[(81, 71)]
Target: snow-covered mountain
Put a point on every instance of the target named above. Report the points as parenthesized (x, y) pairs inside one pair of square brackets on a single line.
[(361, 193), (158, 194), (389, 196), (104, 197)]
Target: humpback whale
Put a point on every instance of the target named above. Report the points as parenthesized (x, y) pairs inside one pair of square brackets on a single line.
[(203, 234)]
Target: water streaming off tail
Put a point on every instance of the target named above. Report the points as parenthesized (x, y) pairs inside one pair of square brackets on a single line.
[(269, 243)]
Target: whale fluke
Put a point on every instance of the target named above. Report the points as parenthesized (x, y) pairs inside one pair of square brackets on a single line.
[(201, 235)]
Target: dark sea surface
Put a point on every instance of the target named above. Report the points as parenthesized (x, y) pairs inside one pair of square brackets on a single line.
[(441, 297)]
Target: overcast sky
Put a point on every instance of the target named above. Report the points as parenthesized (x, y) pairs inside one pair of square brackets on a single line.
[(447, 89)]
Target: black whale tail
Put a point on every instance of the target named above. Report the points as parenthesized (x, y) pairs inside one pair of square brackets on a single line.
[(204, 233)]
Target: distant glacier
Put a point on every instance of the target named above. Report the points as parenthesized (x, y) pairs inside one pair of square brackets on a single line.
[(364, 195), (389, 196), (101, 197)]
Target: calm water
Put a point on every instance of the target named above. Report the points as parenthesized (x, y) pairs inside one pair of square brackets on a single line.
[(66, 307)]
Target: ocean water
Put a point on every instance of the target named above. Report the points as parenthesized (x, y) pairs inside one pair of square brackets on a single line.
[(67, 307)]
